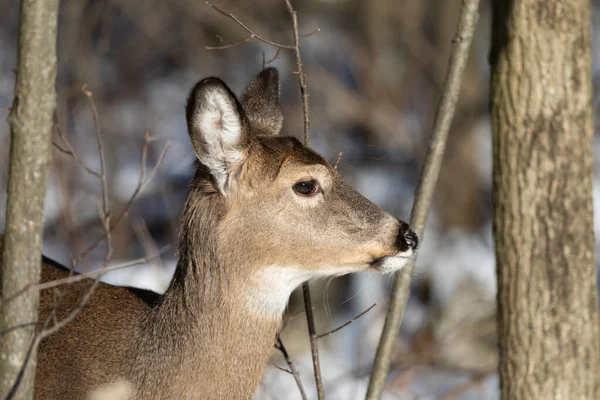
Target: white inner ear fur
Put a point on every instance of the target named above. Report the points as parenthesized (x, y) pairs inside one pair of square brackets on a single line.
[(221, 128)]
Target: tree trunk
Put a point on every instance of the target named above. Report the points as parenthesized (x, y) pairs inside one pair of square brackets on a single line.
[(541, 108), (31, 126)]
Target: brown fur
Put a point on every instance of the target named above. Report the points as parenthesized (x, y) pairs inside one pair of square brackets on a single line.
[(211, 334)]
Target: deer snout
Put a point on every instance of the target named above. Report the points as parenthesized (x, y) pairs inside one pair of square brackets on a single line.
[(405, 246), (406, 239)]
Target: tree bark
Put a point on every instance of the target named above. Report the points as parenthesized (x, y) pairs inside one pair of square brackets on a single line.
[(541, 109), (30, 122)]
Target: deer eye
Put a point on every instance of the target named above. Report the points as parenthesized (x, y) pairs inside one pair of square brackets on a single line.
[(307, 188)]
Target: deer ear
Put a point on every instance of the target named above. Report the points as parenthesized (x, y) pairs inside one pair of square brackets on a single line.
[(215, 124), (261, 103)]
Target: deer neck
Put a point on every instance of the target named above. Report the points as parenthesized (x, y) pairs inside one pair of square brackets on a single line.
[(205, 337)]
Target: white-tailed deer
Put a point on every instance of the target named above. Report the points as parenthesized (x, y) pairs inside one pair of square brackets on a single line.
[(263, 215)]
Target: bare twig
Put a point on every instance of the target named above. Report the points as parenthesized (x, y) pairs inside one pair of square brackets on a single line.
[(314, 343), (279, 345), (301, 76), (142, 182), (303, 90), (79, 277), (103, 210), (322, 335), (287, 371), (311, 33), (145, 238), (45, 332), (73, 313), (253, 35), (20, 326), (69, 150), (275, 57), (61, 149), (230, 44), (30, 121), (279, 46), (104, 213), (105, 204), (337, 160), (290, 319), (19, 378), (462, 41)]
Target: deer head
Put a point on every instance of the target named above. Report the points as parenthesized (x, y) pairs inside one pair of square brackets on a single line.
[(279, 213)]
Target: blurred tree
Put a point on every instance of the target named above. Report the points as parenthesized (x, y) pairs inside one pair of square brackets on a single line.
[(31, 126), (541, 98)]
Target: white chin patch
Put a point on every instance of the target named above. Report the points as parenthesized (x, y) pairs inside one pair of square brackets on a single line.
[(270, 288), (395, 263)]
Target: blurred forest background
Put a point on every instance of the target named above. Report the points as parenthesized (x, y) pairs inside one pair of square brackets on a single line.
[(374, 73)]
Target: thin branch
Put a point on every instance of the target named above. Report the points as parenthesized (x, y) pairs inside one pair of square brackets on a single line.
[(290, 319), (142, 182), (69, 150), (35, 342), (337, 160), (86, 275), (104, 213), (305, 108), (322, 335), (299, 72), (253, 35), (106, 205), (462, 41), (145, 238), (314, 343), (79, 277), (275, 57), (230, 44), (279, 345), (61, 149), (311, 33), (45, 332), (88, 294), (19, 378), (287, 371), (20, 326)]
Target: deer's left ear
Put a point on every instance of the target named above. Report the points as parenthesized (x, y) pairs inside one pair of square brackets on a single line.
[(215, 123), (261, 103)]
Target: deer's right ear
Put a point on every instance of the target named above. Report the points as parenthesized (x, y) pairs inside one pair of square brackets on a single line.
[(215, 124), (261, 103)]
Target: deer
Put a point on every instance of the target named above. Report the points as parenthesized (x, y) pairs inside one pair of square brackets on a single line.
[(263, 215)]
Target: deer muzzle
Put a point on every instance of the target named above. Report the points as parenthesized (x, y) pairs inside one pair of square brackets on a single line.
[(406, 244)]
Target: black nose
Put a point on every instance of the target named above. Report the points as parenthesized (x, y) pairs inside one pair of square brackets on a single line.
[(412, 239), (407, 238)]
